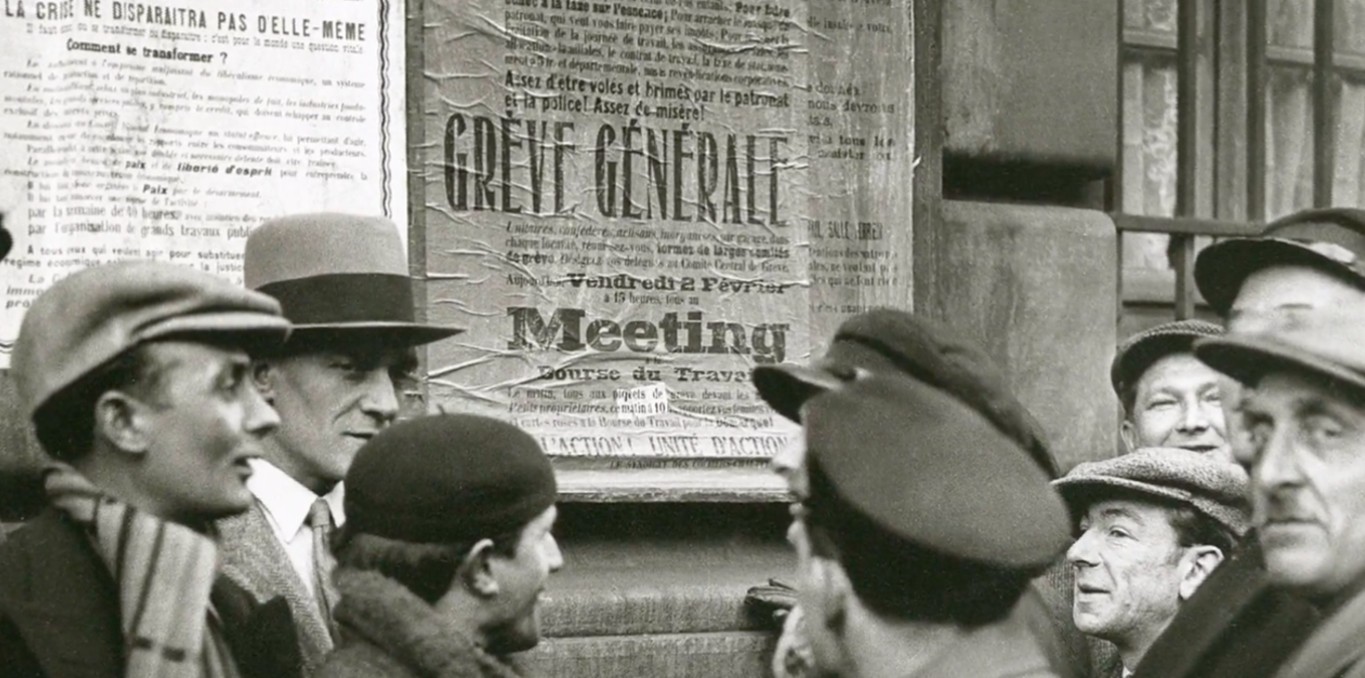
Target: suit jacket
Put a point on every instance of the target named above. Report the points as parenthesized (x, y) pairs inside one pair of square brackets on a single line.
[(1335, 648), (59, 611), (1236, 625), (255, 559)]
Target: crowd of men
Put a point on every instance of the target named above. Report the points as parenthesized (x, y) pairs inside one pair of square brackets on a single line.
[(232, 490)]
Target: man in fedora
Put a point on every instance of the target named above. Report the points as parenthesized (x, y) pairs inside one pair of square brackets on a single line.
[(1306, 452), (137, 379), (1169, 398), (1300, 265), (891, 342), (342, 282), (1152, 525), (448, 548), (907, 567)]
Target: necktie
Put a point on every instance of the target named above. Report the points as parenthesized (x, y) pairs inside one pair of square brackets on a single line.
[(320, 521)]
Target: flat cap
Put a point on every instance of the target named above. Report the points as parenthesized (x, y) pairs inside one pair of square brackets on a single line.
[(891, 341), (930, 470), (1331, 238), (1214, 488), (1329, 344), (1142, 350), (90, 317), (448, 479)]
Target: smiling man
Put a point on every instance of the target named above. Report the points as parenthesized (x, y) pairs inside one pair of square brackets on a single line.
[(137, 380), (1151, 526), (448, 550), (1305, 425), (1170, 399), (342, 282)]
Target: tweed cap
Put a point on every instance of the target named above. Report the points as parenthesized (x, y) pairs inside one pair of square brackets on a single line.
[(90, 317), (891, 341), (1332, 239), (446, 479), (1140, 351), (1214, 488), (931, 471), (1329, 344), (338, 275)]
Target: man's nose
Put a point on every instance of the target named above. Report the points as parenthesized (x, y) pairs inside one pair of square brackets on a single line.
[(1194, 416), (261, 418), (555, 556), (1082, 552), (381, 396), (1278, 463)]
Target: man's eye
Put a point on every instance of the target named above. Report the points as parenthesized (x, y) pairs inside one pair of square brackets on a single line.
[(1322, 429), (1118, 533), (1158, 403)]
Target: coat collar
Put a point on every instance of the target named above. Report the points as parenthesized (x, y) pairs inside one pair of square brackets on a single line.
[(62, 598), (383, 613), (1004, 648), (1334, 646)]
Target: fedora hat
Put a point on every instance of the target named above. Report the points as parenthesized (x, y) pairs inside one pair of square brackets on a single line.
[(338, 274)]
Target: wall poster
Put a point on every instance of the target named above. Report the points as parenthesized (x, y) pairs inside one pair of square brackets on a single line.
[(167, 130), (631, 203)]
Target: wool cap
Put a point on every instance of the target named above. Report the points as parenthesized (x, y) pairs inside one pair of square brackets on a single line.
[(448, 478), (90, 317), (891, 341), (338, 275), (1140, 351), (1329, 344), (927, 469), (1217, 489), (1332, 239)]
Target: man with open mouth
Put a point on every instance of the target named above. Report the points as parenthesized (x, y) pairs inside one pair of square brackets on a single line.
[(137, 379), (1151, 526), (342, 281)]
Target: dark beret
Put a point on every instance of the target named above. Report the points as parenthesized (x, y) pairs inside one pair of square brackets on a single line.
[(1332, 239), (891, 341), (448, 478), (1140, 351), (931, 471)]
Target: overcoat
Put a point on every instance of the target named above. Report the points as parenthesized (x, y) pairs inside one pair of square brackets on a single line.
[(59, 611)]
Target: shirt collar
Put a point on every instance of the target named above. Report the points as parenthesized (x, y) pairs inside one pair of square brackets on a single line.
[(287, 501)]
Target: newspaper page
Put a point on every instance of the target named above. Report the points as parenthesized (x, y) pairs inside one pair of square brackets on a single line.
[(168, 130), (630, 204)]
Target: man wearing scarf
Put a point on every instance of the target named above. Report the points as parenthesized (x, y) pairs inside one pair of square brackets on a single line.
[(446, 551), (137, 380)]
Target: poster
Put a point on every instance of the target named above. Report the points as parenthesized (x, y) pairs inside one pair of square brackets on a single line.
[(631, 204), (169, 130)]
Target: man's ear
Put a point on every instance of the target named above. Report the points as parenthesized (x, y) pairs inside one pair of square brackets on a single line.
[(122, 420), (1200, 561), (263, 376), (1128, 432), (475, 573), (835, 590)]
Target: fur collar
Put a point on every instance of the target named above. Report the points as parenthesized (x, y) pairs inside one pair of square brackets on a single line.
[(385, 614)]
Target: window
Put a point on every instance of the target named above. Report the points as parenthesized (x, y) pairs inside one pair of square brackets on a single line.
[(1273, 122)]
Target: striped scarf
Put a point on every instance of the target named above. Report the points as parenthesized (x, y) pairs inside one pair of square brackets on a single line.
[(164, 572)]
